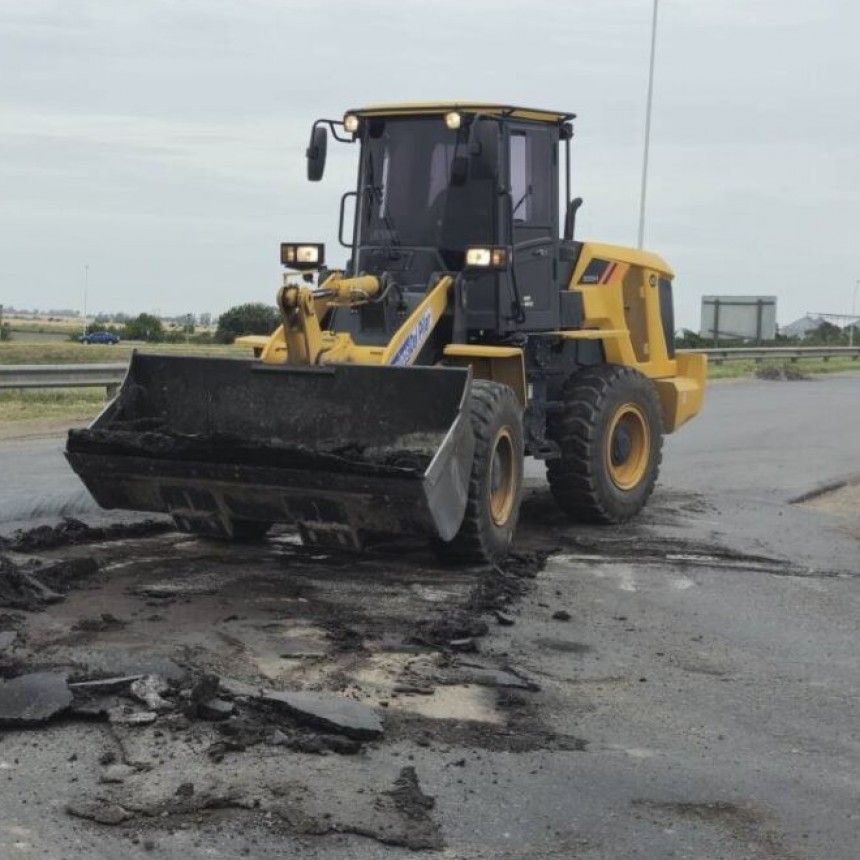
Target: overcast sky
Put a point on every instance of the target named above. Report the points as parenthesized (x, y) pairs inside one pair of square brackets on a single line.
[(161, 143)]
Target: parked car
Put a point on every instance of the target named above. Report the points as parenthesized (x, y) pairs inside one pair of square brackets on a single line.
[(100, 337)]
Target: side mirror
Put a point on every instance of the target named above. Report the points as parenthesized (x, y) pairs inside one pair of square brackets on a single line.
[(570, 217), (316, 153), (484, 148)]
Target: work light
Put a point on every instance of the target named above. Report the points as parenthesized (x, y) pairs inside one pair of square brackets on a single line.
[(453, 120), (487, 258), (308, 255), (350, 123)]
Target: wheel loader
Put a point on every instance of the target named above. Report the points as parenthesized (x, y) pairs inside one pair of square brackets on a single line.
[(468, 329)]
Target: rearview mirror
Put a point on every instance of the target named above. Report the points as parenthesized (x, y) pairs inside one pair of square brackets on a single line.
[(570, 217), (316, 153)]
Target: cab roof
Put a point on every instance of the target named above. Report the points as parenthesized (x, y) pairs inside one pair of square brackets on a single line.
[(424, 108)]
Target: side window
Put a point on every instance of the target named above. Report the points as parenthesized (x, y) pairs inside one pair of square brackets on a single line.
[(383, 198), (531, 169), (520, 176)]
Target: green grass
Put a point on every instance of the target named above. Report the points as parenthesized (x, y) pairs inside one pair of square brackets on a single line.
[(12, 352), (69, 404), (739, 369)]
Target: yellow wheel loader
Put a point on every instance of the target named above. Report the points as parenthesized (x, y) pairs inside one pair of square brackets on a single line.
[(468, 330)]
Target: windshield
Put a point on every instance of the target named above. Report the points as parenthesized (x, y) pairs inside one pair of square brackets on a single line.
[(406, 193)]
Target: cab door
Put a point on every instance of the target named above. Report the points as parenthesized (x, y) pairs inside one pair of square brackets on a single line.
[(533, 170)]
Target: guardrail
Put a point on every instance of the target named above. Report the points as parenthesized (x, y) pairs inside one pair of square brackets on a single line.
[(763, 353), (63, 376), (111, 375)]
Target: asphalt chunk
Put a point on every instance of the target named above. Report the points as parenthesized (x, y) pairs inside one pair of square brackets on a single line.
[(30, 700), (330, 713), (100, 811)]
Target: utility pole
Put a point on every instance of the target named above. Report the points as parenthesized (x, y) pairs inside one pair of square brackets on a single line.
[(853, 314), (86, 285), (641, 241)]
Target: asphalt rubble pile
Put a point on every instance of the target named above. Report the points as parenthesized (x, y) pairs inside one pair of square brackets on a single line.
[(781, 373), (72, 532), (32, 585), (239, 716), (244, 715)]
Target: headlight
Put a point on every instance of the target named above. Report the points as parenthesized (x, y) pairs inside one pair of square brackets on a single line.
[(487, 258), (305, 256), (453, 120), (350, 123)]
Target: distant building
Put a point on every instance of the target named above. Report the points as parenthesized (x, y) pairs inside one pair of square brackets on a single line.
[(802, 327)]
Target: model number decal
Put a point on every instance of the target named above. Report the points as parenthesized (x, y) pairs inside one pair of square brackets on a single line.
[(414, 340)]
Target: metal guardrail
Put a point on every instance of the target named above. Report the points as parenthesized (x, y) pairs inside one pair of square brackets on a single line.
[(763, 353), (63, 376), (111, 375)]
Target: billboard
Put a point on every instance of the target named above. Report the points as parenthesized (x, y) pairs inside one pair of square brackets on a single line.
[(738, 318)]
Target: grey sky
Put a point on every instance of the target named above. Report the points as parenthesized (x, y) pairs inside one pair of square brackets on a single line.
[(162, 142)]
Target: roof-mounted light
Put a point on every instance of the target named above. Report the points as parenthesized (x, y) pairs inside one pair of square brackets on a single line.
[(350, 123), (453, 120)]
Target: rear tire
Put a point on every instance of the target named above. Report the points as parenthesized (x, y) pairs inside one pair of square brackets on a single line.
[(610, 435), (496, 479)]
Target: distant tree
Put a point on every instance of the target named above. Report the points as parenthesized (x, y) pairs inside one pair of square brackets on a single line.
[(246, 319), (688, 339), (826, 333), (205, 320), (5, 331), (144, 327)]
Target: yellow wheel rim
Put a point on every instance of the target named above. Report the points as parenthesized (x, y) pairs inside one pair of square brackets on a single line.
[(628, 446), (503, 476)]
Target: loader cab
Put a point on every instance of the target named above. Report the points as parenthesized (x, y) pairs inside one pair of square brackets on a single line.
[(434, 181)]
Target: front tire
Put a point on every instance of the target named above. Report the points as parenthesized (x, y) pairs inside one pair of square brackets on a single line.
[(610, 434), (496, 479)]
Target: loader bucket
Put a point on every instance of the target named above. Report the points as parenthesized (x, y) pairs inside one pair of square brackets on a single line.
[(344, 451)]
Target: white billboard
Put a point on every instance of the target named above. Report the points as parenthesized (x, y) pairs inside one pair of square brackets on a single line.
[(738, 318)]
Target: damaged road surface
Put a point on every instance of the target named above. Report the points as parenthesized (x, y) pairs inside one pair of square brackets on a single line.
[(681, 687)]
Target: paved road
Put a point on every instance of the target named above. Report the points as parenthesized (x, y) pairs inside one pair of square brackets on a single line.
[(758, 440), (710, 667), (37, 482)]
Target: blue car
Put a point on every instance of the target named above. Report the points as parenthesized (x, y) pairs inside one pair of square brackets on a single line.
[(100, 337)]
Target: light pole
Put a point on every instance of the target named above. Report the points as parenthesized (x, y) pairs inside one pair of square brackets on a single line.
[(853, 313), (86, 284), (647, 129)]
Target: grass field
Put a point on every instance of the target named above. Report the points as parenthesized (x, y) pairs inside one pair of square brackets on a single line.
[(75, 405), (23, 352), (739, 369), (59, 325), (82, 404)]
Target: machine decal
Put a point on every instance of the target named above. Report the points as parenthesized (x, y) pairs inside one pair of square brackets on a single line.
[(407, 350), (607, 275), (598, 272)]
